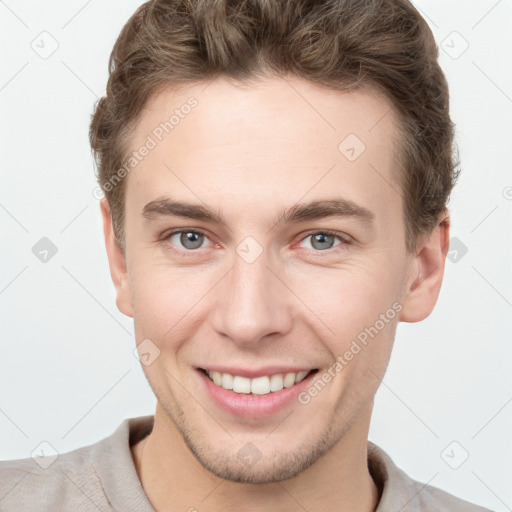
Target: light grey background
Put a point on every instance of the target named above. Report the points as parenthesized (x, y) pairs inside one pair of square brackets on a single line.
[(68, 373)]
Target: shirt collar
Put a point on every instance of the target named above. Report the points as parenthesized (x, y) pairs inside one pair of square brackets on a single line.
[(124, 490)]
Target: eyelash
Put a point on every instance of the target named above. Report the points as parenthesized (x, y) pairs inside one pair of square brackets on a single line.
[(344, 239)]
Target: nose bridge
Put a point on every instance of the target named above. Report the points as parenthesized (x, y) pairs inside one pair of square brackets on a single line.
[(252, 304)]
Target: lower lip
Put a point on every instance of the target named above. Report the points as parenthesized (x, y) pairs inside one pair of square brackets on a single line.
[(253, 406)]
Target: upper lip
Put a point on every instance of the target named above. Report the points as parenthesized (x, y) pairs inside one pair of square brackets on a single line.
[(252, 373)]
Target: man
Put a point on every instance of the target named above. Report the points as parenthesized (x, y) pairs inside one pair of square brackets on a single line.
[(276, 178)]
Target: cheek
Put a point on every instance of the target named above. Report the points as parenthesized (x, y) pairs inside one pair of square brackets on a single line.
[(355, 315), (344, 301), (166, 302)]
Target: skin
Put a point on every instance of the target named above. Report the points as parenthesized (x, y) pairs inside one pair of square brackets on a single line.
[(249, 152)]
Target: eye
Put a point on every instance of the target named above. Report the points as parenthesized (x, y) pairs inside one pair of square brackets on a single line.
[(323, 240), (190, 240), (187, 239)]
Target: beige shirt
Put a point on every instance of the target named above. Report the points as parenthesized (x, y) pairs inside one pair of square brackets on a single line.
[(102, 477)]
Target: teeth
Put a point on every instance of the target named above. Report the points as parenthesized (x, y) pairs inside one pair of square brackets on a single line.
[(276, 383), (241, 384), (227, 381), (289, 380), (259, 385), (301, 376)]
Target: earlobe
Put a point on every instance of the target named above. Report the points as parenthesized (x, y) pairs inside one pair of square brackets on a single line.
[(117, 262), (427, 274)]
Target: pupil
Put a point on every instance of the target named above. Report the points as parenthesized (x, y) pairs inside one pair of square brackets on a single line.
[(322, 241), (191, 240)]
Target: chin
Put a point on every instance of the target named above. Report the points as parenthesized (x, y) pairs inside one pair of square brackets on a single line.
[(260, 461)]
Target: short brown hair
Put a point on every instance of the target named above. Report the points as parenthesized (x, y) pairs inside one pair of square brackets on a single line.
[(340, 44)]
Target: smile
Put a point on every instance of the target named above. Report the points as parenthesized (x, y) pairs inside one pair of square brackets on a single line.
[(262, 385)]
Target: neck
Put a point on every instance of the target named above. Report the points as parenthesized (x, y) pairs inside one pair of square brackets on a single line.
[(338, 480)]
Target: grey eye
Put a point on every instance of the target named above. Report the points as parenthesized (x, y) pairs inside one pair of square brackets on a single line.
[(322, 241), (190, 239)]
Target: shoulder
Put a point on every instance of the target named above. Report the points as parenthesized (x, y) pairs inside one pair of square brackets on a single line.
[(101, 476), (66, 482), (432, 498), (400, 492)]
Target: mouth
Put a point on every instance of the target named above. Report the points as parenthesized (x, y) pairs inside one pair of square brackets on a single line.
[(261, 385)]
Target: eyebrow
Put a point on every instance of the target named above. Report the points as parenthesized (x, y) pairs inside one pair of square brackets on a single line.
[(314, 210)]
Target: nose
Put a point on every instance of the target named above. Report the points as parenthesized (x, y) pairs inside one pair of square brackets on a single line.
[(252, 304)]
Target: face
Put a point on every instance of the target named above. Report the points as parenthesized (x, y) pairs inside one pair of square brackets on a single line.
[(264, 239)]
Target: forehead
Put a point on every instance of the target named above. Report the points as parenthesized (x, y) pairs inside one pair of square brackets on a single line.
[(272, 142)]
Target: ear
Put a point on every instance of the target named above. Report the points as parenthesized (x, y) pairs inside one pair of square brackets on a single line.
[(117, 262), (426, 276)]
